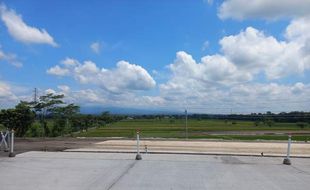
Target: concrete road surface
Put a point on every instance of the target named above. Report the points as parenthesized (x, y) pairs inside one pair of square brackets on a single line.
[(81, 171)]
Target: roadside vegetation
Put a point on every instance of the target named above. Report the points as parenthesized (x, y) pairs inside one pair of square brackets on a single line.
[(51, 116)]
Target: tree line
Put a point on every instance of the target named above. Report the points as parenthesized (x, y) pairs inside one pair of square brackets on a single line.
[(50, 116), (288, 117)]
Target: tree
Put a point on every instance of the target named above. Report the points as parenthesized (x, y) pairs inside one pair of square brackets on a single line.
[(105, 117), (46, 106), (269, 122), (256, 123), (301, 124), (19, 119), (63, 117)]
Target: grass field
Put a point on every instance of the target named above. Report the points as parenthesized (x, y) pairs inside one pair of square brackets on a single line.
[(199, 129)]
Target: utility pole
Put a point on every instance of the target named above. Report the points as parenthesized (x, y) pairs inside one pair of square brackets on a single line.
[(186, 131), (35, 95)]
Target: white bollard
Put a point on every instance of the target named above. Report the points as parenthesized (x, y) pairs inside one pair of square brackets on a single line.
[(138, 156), (12, 154), (287, 160)]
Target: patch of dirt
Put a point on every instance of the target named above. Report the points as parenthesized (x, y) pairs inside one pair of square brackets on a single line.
[(50, 144)]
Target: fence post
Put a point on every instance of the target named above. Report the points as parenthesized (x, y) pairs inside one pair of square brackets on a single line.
[(138, 156), (12, 154), (287, 160)]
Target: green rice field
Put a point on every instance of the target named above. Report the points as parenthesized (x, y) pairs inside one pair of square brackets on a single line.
[(199, 129)]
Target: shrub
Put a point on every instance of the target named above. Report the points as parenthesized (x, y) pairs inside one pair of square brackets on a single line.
[(301, 124)]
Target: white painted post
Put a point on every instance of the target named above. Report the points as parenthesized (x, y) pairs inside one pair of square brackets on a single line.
[(138, 156), (138, 143), (12, 154), (287, 160), (289, 147)]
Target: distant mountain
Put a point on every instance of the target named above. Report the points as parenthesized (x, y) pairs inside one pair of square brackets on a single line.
[(125, 111)]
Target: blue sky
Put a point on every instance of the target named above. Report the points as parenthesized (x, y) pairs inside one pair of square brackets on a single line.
[(206, 56)]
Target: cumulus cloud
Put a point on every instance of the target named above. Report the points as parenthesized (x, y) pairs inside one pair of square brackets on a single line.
[(101, 97), (242, 98), (251, 50), (10, 58), (50, 91), (6, 94), (226, 80), (298, 30), (124, 77), (272, 96), (64, 88), (265, 9), (247, 54), (22, 32), (57, 70), (95, 47), (211, 69), (69, 62)]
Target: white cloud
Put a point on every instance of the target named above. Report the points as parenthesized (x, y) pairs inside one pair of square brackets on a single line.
[(211, 69), (242, 98), (298, 30), (124, 77), (64, 88), (101, 97), (10, 58), (50, 91), (69, 62), (20, 31), (266, 9), (95, 47), (57, 70), (7, 97), (251, 50), (223, 81)]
